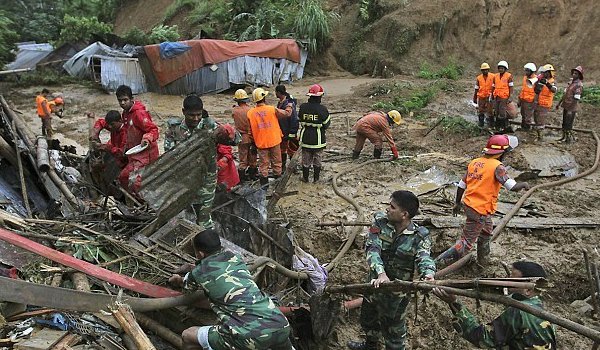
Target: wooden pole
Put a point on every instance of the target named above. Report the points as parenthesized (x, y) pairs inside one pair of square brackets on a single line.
[(124, 316), (67, 342), (543, 314), (160, 330), (588, 269), (22, 175)]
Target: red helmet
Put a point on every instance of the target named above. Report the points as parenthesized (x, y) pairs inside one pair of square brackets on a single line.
[(315, 90), (497, 144), (580, 70), (59, 101)]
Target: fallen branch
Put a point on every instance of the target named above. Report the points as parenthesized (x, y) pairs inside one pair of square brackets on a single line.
[(124, 316), (160, 330)]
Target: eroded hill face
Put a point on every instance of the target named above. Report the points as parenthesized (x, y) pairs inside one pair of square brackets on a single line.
[(403, 34), (406, 33)]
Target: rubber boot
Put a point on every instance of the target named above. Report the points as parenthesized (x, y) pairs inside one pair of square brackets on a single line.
[(283, 161), (481, 122), (305, 173), (355, 154), (483, 250), (377, 153), (264, 181), (564, 136), (490, 122), (363, 345), (252, 173), (242, 175), (316, 173), (448, 257), (539, 136)]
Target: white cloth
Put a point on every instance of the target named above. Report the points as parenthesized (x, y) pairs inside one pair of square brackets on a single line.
[(203, 337)]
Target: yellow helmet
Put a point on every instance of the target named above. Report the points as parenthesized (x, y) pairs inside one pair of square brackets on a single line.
[(548, 68), (396, 117), (240, 95), (259, 94), (484, 65)]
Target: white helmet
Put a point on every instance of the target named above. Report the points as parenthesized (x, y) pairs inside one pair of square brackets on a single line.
[(503, 64), (530, 66)]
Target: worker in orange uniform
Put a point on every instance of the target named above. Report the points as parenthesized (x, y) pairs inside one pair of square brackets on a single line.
[(370, 126), (139, 130), (247, 169), (57, 106), (266, 134), (482, 95), (527, 96), (481, 186), (545, 89), (502, 91), (44, 112)]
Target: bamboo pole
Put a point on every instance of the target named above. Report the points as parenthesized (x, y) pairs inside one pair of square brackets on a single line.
[(22, 176), (543, 314), (160, 330), (588, 269), (124, 316)]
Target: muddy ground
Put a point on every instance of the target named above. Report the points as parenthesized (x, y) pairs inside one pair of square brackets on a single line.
[(447, 148)]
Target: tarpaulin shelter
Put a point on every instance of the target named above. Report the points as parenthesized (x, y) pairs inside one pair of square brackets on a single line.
[(80, 65), (29, 54), (206, 65)]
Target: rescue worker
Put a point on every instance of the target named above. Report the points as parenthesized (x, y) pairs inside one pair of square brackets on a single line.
[(394, 246), (113, 123), (502, 91), (227, 174), (247, 169), (247, 318), (289, 126), (481, 186), (139, 130), (44, 112), (527, 96), (57, 106), (370, 126), (195, 119), (570, 104), (545, 89), (482, 95), (314, 118), (514, 328), (266, 134)]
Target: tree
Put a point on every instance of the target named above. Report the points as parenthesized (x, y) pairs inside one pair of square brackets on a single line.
[(82, 28), (8, 37)]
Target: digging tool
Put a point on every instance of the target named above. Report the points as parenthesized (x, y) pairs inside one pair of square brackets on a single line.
[(434, 126)]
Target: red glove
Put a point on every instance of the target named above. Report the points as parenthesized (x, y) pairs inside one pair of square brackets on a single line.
[(394, 152)]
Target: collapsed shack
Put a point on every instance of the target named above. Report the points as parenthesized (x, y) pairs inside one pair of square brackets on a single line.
[(66, 229)]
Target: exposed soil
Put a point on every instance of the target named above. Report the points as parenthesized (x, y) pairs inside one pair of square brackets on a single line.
[(448, 150)]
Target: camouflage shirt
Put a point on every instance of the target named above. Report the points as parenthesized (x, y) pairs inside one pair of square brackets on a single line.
[(243, 310), (178, 131), (396, 254), (514, 329)]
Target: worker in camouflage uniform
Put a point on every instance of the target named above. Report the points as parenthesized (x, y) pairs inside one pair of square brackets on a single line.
[(394, 246), (196, 118), (247, 318), (514, 328)]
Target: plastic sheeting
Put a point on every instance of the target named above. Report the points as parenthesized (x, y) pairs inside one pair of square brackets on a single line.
[(79, 64), (115, 71), (29, 55), (265, 71)]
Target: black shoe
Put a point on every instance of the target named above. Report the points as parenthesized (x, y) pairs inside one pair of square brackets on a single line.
[(481, 122), (362, 345), (305, 173), (377, 153), (242, 175), (316, 173), (264, 180), (283, 161), (252, 174), (355, 154)]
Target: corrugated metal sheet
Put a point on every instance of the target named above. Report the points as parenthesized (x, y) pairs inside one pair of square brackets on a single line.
[(29, 55), (79, 64), (115, 71)]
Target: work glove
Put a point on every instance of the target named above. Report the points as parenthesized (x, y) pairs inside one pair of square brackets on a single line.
[(394, 152)]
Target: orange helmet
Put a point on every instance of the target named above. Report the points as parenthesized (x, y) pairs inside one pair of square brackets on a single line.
[(497, 144), (315, 90), (59, 101)]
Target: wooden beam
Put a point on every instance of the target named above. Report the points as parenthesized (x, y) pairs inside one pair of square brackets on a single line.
[(124, 316)]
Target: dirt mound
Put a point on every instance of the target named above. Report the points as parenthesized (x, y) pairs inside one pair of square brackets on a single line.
[(410, 33)]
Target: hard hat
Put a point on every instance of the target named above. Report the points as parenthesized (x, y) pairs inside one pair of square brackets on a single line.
[(240, 95), (484, 65), (500, 143), (548, 68), (259, 94), (315, 90), (503, 64), (580, 70), (59, 101), (531, 66), (395, 116)]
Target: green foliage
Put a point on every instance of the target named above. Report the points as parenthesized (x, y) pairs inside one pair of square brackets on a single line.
[(591, 95), (458, 125), (265, 24), (162, 33), (45, 77), (313, 24), (177, 6), (82, 28), (8, 37), (451, 71), (136, 36), (414, 102), (369, 10)]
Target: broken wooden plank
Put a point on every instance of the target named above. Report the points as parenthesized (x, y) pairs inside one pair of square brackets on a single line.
[(67, 341), (124, 316), (87, 268), (41, 340)]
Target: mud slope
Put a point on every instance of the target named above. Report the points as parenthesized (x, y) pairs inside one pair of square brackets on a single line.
[(406, 33)]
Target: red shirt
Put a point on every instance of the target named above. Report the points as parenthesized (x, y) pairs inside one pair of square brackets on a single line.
[(117, 138), (139, 126), (227, 173)]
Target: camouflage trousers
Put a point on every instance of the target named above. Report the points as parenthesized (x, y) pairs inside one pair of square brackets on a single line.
[(275, 340), (385, 314), (205, 198)]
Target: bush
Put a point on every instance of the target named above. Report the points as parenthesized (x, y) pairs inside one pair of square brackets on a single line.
[(458, 125), (8, 37), (451, 71), (82, 28), (313, 24), (136, 36), (163, 33), (415, 102), (591, 95)]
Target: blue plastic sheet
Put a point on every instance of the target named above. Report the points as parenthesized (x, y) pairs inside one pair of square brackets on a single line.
[(170, 49)]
